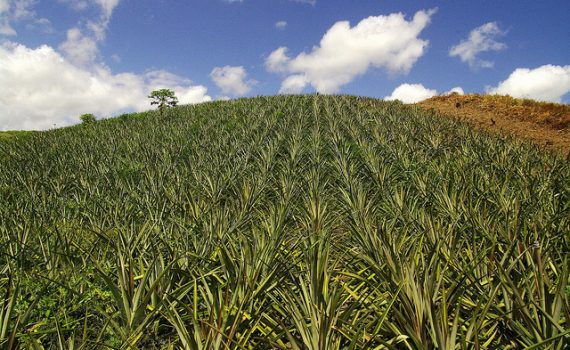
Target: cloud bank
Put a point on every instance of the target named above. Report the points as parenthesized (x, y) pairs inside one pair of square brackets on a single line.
[(390, 42), (545, 83), (40, 88)]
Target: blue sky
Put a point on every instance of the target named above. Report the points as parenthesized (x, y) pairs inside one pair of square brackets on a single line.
[(62, 58)]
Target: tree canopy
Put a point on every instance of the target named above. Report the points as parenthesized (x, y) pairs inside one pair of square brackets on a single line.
[(164, 98), (88, 118)]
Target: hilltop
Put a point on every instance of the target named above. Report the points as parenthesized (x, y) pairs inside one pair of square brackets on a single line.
[(546, 124), (286, 222)]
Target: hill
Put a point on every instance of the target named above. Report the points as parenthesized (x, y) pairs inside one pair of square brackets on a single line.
[(4, 135), (546, 124), (288, 222)]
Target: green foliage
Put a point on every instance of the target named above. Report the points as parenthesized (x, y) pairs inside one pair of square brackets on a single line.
[(289, 222), (6, 135), (88, 118), (164, 98)]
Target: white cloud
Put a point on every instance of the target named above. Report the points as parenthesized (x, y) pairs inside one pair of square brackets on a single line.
[(81, 50), (39, 88), (23, 9), (390, 42), (6, 29), (15, 11), (481, 39), (4, 6), (281, 25), (457, 90), (185, 91), (106, 6), (81, 45), (278, 61), (293, 84), (97, 27), (232, 80), (411, 93), (545, 83)]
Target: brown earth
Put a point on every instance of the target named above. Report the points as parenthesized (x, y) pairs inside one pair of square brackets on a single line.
[(545, 124)]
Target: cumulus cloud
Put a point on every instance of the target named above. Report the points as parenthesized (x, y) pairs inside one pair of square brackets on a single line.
[(81, 45), (278, 61), (545, 83), (232, 80), (456, 90), (390, 42), (411, 93), (481, 39), (39, 88), (281, 25), (80, 49), (293, 84)]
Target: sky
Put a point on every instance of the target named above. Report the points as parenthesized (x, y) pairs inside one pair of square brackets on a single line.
[(63, 58)]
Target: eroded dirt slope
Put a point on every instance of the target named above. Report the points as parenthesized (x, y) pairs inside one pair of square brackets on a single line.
[(546, 124)]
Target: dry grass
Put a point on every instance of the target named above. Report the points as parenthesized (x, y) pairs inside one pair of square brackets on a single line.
[(546, 124)]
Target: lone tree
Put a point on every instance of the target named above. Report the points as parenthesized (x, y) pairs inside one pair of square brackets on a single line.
[(88, 118), (164, 98)]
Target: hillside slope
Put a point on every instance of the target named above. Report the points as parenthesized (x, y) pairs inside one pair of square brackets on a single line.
[(546, 124), (309, 222)]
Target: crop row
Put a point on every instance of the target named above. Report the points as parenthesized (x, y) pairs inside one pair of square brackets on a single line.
[(291, 222)]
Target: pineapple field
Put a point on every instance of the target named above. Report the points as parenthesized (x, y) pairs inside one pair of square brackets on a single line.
[(286, 222)]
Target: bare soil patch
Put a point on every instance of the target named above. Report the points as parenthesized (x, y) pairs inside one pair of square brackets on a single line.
[(546, 124)]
